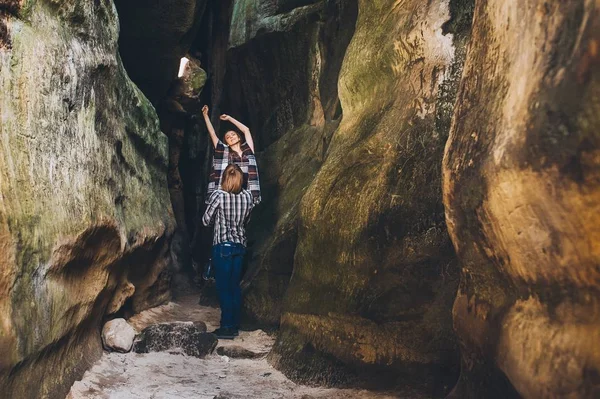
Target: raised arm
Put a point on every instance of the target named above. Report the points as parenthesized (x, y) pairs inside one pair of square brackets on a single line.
[(209, 126), (243, 128)]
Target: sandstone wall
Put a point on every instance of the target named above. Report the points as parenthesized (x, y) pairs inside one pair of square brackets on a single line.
[(522, 194), (85, 216), (283, 67), (352, 207), (374, 269)]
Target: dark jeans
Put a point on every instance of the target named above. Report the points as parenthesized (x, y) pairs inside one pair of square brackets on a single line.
[(227, 261)]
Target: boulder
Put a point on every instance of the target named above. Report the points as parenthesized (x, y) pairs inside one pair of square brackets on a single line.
[(188, 338), (118, 335)]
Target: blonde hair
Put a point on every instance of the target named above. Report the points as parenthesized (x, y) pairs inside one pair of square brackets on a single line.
[(233, 178)]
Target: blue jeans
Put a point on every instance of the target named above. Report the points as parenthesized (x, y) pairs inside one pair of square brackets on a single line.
[(227, 262)]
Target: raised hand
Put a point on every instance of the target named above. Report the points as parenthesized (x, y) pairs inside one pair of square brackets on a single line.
[(209, 126), (224, 117)]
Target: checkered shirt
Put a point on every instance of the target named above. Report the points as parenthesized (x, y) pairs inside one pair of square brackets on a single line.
[(222, 157), (230, 212)]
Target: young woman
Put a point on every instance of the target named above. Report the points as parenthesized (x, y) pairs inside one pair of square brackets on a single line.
[(230, 207), (236, 151)]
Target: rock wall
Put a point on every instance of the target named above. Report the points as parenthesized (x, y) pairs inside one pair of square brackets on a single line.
[(352, 207), (522, 194), (154, 37), (281, 80), (374, 270), (85, 218), (351, 103)]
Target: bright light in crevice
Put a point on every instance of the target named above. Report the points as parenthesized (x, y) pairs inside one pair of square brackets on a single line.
[(182, 64)]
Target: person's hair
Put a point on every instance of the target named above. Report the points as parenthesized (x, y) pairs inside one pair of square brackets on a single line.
[(236, 132), (233, 178)]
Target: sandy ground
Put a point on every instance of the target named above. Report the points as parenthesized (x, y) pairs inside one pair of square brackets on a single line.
[(171, 375)]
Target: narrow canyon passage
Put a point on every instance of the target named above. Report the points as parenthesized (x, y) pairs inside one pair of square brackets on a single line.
[(429, 197)]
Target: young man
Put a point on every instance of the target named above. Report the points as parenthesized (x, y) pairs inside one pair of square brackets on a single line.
[(230, 207)]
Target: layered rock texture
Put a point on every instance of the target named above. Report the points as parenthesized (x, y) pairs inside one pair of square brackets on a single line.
[(85, 216), (373, 267), (367, 229), (522, 195), (153, 39), (352, 188), (352, 208), (283, 84)]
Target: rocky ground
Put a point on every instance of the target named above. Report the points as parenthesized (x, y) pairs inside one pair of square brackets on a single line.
[(175, 375)]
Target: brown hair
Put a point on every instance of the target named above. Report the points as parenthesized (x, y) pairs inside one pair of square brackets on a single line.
[(233, 178)]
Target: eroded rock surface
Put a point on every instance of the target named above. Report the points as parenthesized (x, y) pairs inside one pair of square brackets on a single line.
[(353, 211), (522, 195), (84, 210), (238, 352), (189, 338), (167, 375), (118, 335), (351, 102), (282, 81)]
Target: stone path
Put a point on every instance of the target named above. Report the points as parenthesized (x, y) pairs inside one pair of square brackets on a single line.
[(170, 375)]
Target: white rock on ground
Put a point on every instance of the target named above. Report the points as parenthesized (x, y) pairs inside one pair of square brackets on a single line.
[(118, 335)]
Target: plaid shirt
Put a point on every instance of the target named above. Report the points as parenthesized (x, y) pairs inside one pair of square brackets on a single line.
[(230, 212), (247, 162)]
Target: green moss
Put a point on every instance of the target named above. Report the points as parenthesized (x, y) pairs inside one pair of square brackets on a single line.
[(198, 81), (62, 173), (26, 9)]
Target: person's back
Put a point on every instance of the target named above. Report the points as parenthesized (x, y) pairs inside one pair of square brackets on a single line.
[(230, 212), (230, 207)]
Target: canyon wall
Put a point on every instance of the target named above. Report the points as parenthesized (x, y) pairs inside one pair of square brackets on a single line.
[(368, 227), (85, 216), (374, 267), (349, 250), (283, 67), (522, 196), (352, 234)]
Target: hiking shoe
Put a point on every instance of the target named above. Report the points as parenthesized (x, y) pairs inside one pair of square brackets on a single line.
[(225, 333)]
